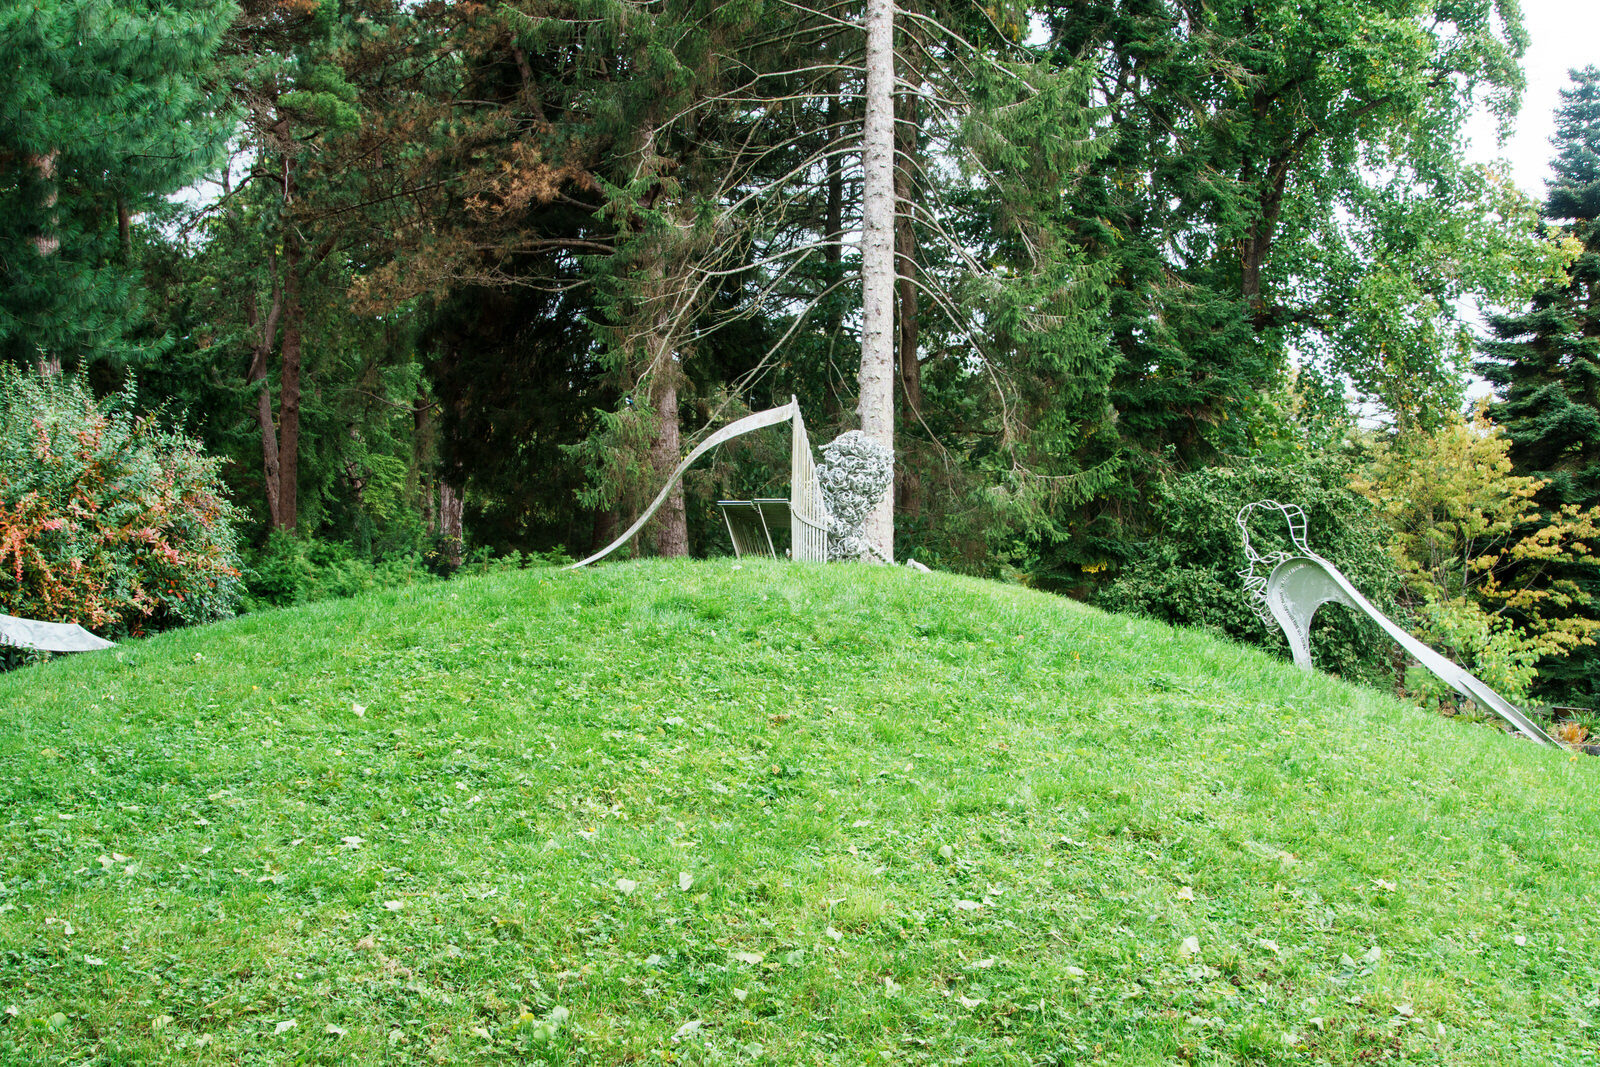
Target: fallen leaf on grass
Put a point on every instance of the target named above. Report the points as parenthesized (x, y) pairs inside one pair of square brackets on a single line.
[(685, 881), (1190, 945), (284, 1027), (626, 886), (749, 957), (394, 905)]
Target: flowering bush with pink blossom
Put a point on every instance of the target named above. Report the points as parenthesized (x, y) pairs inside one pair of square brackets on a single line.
[(106, 519)]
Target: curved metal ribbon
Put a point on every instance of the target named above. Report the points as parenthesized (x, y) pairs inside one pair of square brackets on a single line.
[(1300, 584), (1289, 587), (759, 420), (48, 636)]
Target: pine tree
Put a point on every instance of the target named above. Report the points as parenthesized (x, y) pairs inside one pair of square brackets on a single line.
[(1545, 365), (104, 114)]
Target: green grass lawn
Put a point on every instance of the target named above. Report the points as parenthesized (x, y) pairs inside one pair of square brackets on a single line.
[(704, 813)]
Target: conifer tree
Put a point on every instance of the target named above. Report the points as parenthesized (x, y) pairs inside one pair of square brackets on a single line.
[(1544, 362), (104, 113)]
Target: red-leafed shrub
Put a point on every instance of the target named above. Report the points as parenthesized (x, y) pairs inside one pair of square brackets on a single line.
[(106, 519)]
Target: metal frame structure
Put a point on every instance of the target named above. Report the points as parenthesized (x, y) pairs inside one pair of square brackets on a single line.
[(809, 522), (1289, 587), (748, 525)]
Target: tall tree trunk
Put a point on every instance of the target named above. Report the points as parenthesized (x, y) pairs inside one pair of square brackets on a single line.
[(266, 336), (606, 525), (47, 242), (877, 256), (451, 529), (671, 521), (289, 398), (269, 453), (909, 484)]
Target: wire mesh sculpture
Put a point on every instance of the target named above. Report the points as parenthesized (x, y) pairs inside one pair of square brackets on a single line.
[(856, 471), (1287, 587)]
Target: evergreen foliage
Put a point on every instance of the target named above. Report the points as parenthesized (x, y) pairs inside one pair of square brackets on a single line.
[(106, 111), (485, 271), (1544, 362), (1274, 176)]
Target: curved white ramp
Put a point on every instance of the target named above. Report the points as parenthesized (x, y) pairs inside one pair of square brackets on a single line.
[(1302, 581), (1299, 585)]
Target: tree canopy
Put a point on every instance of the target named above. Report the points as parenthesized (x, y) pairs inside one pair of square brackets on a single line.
[(445, 277)]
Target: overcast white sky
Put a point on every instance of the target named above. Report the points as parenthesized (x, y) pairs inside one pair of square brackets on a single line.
[(1566, 34)]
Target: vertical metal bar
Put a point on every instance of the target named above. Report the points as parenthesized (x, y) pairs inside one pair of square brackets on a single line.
[(731, 535)]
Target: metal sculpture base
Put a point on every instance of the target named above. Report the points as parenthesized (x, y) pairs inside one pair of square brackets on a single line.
[(48, 636), (1301, 582)]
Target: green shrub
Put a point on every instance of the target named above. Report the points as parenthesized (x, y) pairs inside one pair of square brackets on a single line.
[(295, 570), (106, 519), (1188, 574)]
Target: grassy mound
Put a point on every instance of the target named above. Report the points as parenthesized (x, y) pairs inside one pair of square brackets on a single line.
[(702, 813)]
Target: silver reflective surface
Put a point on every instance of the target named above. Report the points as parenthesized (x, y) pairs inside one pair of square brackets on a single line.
[(1289, 587), (48, 636)]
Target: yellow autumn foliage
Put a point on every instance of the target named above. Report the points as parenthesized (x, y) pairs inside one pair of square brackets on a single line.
[(1472, 546)]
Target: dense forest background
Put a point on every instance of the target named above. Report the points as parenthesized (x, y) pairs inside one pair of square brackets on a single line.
[(453, 281)]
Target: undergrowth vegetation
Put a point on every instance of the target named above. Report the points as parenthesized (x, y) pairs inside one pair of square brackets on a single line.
[(106, 518), (766, 813)]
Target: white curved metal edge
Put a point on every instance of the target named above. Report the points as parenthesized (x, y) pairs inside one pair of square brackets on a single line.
[(759, 420), (1300, 584), (49, 636)]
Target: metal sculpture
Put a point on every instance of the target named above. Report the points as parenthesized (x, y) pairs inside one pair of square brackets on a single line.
[(1289, 587), (809, 520), (750, 524), (48, 636), (856, 471)]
